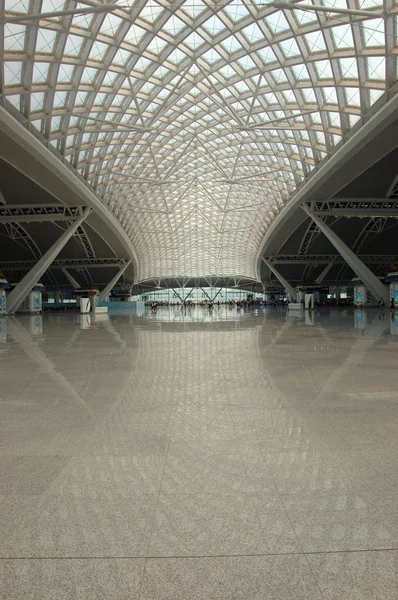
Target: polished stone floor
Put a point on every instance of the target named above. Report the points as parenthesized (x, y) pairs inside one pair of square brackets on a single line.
[(196, 456)]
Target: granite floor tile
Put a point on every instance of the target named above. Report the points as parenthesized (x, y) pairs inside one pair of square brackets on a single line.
[(199, 470), (108, 476), (229, 578), (356, 575), (60, 579), (340, 528), (204, 524), (29, 474), (50, 526)]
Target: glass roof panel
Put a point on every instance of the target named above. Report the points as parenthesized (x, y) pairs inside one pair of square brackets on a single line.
[(227, 107)]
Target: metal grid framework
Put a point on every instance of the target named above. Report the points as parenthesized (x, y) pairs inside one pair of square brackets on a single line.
[(196, 121)]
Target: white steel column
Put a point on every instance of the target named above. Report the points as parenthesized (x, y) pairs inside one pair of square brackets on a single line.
[(106, 291), (289, 288), (369, 279), (324, 273), (19, 293), (71, 279)]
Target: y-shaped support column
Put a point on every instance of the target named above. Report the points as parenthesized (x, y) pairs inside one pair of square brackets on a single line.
[(106, 291), (289, 289), (71, 279), (369, 279), (19, 293), (325, 271)]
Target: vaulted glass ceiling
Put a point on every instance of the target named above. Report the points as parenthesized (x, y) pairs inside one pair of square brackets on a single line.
[(196, 121)]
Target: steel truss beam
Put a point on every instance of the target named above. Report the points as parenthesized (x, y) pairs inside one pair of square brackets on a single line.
[(65, 263), (30, 213), (356, 207), (318, 259)]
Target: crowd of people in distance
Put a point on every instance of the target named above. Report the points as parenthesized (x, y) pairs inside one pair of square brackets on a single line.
[(208, 304)]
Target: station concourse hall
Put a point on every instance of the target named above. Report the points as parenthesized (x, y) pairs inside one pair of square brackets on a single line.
[(198, 300)]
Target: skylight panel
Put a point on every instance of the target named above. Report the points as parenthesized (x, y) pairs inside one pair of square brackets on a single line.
[(308, 95), (82, 21), (14, 37), (88, 75), (193, 7), (213, 25), (60, 99), (81, 98), (300, 72), (40, 72), (277, 22), (17, 6), (236, 11), (330, 95), (176, 56), (303, 17), (36, 101), (211, 56), (65, 73), (279, 75), (373, 33), (156, 45), (142, 64), (110, 25), (73, 45), (376, 68), (315, 41), (134, 35), (45, 41), (151, 11), (247, 63), (342, 36), (174, 25), (253, 33), (109, 78), (348, 68), (352, 96), (193, 40), (290, 48), (324, 69), (231, 44), (267, 54)]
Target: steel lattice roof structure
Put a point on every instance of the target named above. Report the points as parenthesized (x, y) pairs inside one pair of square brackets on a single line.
[(195, 122)]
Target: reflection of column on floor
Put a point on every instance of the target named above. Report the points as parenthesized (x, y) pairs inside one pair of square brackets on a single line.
[(33, 350), (356, 355), (3, 330)]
